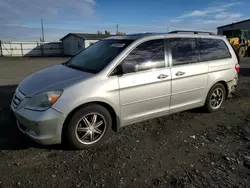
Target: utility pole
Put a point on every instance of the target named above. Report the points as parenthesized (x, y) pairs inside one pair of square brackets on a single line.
[(117, 28), (42, 30), (1, 50)]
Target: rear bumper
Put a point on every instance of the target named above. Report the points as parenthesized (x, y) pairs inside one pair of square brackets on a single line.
[(232, 85), (43, 127)]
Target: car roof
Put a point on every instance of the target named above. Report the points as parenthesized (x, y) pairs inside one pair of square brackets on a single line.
[(167, 35), (132, 36)]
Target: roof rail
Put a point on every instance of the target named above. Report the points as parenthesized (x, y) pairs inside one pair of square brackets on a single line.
[(145, 33), (194, 32)]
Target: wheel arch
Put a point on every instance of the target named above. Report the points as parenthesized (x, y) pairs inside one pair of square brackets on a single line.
[(224, 83), (114, 116), (225, 86)]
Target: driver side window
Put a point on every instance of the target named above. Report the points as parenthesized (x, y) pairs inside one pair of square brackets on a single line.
[(146, 56)]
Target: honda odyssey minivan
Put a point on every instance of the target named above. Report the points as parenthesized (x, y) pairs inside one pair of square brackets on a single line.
[(122, 80)]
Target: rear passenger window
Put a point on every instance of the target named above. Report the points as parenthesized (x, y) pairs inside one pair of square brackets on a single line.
[(213, 49), (184, 50)]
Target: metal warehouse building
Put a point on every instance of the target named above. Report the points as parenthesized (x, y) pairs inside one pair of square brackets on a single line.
[(73, 43), (242, 25)]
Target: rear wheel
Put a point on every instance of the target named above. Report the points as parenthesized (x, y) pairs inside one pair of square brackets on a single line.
[(89, 127), (242, 52), (215, 98)]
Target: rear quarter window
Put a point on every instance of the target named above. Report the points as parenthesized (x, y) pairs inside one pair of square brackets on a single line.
[(213, 49), (236, 54)]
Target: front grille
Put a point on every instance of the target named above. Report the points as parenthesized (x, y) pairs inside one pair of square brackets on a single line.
[(18, 97)]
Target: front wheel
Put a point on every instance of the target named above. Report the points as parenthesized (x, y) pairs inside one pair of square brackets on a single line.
[(89, 127), (248, 51), (215, 98)]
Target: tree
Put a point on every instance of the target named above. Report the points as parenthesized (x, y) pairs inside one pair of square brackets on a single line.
[(120, 33), (107, 32), (99, 32)]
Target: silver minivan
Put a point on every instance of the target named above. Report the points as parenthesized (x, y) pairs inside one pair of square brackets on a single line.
[(122, 80)]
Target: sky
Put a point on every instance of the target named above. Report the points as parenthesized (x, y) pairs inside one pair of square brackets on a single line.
[(20, 20)]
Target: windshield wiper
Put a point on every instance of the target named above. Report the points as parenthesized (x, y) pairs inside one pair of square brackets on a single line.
[(78, 68), (74, 67)]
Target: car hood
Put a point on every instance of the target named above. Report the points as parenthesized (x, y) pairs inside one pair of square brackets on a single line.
[(53, 78)]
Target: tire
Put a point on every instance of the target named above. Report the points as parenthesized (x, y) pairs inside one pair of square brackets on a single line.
[(82, 122), (248, 51), (209, 105), (242, 52)]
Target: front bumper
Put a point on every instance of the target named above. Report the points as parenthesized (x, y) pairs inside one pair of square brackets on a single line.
[(44, 127)]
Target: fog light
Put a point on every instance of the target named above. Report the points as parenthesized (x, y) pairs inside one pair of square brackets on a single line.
[(20, 126)]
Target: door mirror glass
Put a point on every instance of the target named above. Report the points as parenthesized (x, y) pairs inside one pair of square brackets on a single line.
[(128, 66)]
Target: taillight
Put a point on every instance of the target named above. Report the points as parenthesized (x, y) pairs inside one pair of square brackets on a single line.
[(237, 68)]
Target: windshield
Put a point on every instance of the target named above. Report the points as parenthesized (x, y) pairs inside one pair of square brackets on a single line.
[(98, 56)]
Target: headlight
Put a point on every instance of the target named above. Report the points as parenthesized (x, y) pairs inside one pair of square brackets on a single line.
[(43, 101)]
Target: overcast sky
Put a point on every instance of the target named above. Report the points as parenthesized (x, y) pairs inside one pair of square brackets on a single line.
[(20, 19)]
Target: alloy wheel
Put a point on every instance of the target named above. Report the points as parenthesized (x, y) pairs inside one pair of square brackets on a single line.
[(90, 128), (217, 98)]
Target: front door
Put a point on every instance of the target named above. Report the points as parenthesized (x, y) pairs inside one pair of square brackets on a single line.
[(189, 76), (145, 93)]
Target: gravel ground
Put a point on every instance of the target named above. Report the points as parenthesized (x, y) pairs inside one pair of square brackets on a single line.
[(189, 149)]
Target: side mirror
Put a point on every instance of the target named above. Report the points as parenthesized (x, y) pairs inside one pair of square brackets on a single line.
[(128, 66)]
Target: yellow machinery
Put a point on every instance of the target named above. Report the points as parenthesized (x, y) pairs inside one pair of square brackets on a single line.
[(240, 40)]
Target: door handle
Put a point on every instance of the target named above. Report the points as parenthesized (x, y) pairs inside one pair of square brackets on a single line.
[(162, 76), (179, 73)]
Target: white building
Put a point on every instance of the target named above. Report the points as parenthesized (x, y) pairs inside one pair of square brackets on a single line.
[(73, 43)]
